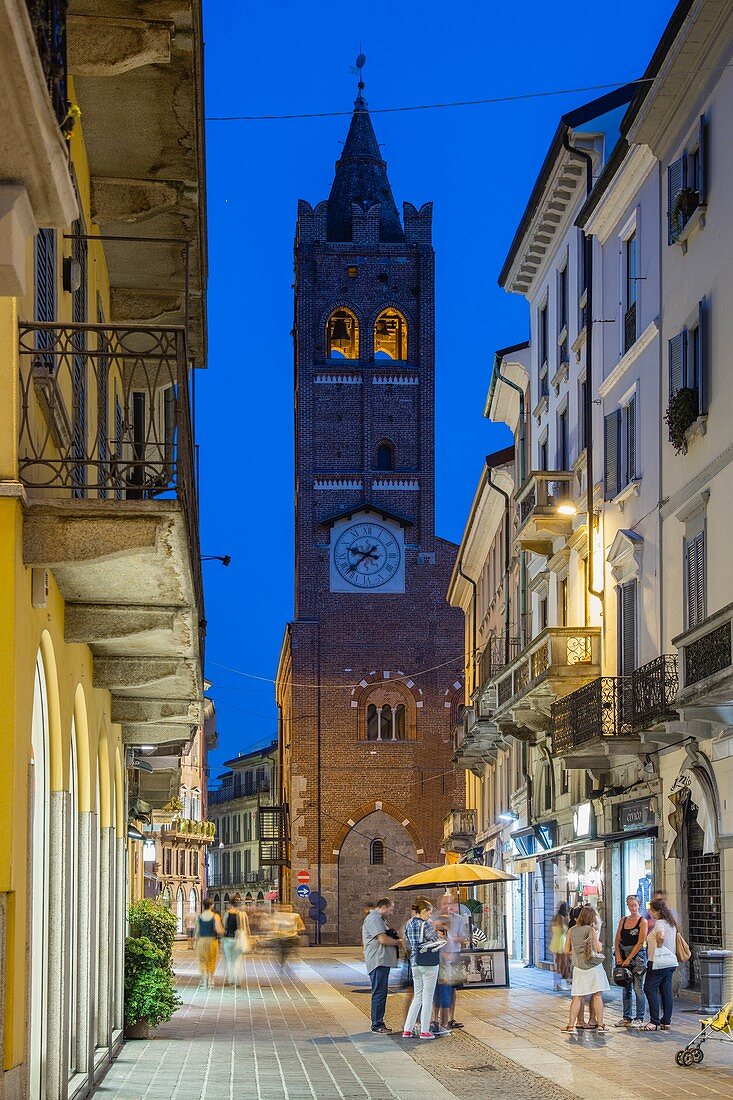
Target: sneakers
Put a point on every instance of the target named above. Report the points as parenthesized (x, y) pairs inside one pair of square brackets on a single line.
[(637, 1023), (426, 1035), (408, 1035), (382, 1030), (438, 1031)]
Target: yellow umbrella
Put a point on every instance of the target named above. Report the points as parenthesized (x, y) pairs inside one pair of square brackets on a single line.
[(456, 874)]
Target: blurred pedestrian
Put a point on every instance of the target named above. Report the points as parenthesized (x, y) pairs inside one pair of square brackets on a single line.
[(381, 945), (558, 936), (189, 927), (663, 962), (629, 947), (285, 927), (458, 932), (236, 939), (425, 944), (589, 976), (208, 932), (450, 974)]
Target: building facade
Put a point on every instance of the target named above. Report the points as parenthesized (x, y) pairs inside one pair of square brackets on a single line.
[(100, 639), (250, 781), (365, 712)]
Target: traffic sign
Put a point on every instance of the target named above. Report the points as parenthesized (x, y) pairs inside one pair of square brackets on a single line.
[(303, 877), (303, 891), (317, 900)]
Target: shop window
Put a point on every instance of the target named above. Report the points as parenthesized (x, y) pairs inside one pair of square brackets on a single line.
[(342, 335), (376, 852), (390, 336)]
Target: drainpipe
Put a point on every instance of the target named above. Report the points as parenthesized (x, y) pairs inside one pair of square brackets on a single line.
[(474, 585), (507, 529), (522, 478), (587, 240)]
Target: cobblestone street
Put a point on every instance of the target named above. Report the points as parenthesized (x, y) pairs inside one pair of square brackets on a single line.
[(303, 1033)]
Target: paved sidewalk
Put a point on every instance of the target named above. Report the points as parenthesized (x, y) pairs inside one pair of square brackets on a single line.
[(284, 1034)]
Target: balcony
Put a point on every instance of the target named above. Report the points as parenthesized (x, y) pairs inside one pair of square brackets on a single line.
[(184, 828), (476, 740), (247, 879), (706, 669), (238, 790), (459, 830), (540, 516), (604, 719), (105, 453), (556, 662)]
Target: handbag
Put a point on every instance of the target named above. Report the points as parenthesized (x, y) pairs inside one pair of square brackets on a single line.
[(682, 948), (242, 937), (595, 958), (663, 959), (427, 954)]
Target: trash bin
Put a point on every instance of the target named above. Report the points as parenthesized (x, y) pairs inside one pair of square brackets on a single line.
[(712, 974)]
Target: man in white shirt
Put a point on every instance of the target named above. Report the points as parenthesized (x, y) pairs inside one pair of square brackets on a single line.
[(380, 954)]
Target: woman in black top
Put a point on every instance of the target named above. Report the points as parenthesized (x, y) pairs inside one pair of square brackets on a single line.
[(630, 951), (232, 922)]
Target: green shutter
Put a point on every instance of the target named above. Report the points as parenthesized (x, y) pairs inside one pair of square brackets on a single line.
[(611, 426), (631, 440), (676, 183), (703, 366), (701, 183), (677, 362)]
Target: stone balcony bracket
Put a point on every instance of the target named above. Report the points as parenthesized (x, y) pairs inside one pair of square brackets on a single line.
[(109, 47), (541, 518)]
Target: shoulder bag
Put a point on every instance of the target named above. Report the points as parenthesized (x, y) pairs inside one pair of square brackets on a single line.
[(682, 948), (663, 959), (595, 958)]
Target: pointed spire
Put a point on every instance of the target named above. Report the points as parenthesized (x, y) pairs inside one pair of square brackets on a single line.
[(361, 178)]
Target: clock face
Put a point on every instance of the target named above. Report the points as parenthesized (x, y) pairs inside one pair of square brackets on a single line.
[(367, 555)]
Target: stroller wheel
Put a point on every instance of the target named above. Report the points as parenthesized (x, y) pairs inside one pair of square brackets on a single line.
[(688, 1058), (679, 1057), (698, 1055)]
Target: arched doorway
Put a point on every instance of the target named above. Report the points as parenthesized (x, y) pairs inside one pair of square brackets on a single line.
[(39, 793), (361, 878), (167, 898), (180, 910)]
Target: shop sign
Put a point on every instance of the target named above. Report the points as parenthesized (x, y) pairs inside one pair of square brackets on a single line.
[(523, 866), (636, 815)]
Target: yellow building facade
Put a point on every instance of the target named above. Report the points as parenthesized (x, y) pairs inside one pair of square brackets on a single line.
[(101, 608)]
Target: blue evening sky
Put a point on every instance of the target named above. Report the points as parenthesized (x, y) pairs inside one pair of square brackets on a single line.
[(477, 164)]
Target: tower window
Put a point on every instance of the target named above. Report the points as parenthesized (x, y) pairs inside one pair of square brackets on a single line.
[(385, 723), (342, 335), (385, 456), (376, 852), (390, 336)]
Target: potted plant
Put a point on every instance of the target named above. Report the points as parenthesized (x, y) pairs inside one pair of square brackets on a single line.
[(681, 414), (150, 994)]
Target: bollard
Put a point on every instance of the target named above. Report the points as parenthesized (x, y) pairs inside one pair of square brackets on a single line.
[(712, 976)]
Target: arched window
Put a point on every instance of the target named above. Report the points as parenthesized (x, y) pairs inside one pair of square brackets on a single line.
[(386, 722), (342, 335), (385, 456), (193, 901), (180, 910), (376, 852), (390, 336)]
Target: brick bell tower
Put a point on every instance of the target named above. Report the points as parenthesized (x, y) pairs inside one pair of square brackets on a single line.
[(365, 729)]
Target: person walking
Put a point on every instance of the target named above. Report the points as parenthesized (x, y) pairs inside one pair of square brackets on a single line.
[(629, 947), (208, 932), (663, 962), (381, 944), (235, 940), (425, 944), (189, 927), (589, 977), (558, 935)]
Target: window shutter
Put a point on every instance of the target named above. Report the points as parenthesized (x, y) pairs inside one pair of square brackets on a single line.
[(701, 183), (676, 181), (677, 362), (631, 440), (611, 424), (627, 628), (695, 568), (703, 366)]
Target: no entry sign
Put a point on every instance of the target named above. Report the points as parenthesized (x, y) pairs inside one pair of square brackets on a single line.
[(303, 877)]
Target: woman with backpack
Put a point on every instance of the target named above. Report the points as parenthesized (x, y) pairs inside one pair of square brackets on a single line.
[(589, 977), (424, 944), (629, 947)]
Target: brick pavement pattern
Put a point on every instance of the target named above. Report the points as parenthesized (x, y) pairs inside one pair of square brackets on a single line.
[(303, 1033)]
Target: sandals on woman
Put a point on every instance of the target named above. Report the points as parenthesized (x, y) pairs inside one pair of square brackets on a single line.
[(652, 1027), (568, 1027)]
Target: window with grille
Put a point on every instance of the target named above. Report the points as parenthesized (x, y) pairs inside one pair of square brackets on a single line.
[(695, 578), (630, 294), (627, 613), (376, 852), (44, 265)]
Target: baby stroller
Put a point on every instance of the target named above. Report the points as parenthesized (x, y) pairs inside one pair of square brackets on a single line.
[(719, 1026)]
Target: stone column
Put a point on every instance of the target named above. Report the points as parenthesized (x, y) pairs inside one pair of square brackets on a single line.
[(57, 1021), (106, 938), (121, 928), (84, 904)]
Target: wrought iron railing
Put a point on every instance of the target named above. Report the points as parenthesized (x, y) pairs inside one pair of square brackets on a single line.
[(496, 655), (105, 413), (598, 709), (708, 654), (274, 834), (48, 19), (542, 492), (555, 647), (527, 504), (242, 790), (630, 326), (653, 690)]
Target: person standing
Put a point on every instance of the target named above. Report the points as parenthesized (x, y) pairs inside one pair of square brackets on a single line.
[(558, 935), (663, 962), (381, 945), (425, 944), (208, 931), (629, 947), (589, 977), (232, 944), (189, 927)]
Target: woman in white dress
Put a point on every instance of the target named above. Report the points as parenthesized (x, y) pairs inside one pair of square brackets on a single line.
[(589, 977)]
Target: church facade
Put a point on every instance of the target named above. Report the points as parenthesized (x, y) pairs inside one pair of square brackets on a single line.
[(369, 679)]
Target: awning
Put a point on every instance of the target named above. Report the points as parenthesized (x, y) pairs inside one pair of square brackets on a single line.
[(587, 844), (630, 834)]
